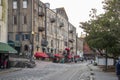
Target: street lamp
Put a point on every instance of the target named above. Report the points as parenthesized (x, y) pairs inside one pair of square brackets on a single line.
[(32, 46)]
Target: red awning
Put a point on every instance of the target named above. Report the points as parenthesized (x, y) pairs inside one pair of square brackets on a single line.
[(58, 55), (41, 54), (69, 56), (76, 56), (68, 49)]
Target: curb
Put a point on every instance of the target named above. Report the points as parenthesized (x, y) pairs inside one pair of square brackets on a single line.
[(10, 70), (92, 74)]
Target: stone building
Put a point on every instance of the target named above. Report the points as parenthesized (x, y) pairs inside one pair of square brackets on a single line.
[(57, 29), (26, 25), (33, 26), (72, 38), (79, 44), (51, 30), (62, 29)]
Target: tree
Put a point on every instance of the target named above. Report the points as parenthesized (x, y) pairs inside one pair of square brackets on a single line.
[(103, 31)]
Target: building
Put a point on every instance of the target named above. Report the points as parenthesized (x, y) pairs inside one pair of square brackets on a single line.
[(62, 29), (5, 49), (79, 44), (3, 21), (87, 52), (33, 26), (51, 30), (72, 38), (26, 25)]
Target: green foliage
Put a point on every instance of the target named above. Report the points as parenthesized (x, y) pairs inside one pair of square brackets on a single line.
[(103, 31)]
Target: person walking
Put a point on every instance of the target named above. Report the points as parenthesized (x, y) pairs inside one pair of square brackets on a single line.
[(118, 69)]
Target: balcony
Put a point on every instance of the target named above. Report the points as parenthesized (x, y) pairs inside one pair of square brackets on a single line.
[(71, 40), (52, 20), (41, 14), (44, 42), (71, 31), (61, 25), (40, 29)]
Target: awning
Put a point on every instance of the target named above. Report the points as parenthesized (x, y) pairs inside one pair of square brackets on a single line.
[(69, 56), (58, 55), (76, 56), (68, 49), (14, 43), (41, 54), (5, 48)]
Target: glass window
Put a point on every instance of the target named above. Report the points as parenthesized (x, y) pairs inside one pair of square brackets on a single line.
[(25, 37), (24, 3), (14, 19), (15, 4), (25, 19), (17, 37)]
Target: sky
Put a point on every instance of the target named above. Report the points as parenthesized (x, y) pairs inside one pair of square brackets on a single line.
[(77, 10)]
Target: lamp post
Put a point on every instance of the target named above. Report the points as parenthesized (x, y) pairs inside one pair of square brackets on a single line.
[(32, 47)]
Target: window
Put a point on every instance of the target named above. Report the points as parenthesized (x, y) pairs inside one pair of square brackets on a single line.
[(40, 9), (65, 43), (25, 19), (25, 37), (14, 4), (24, 3), (17, 37), (14, 19), (51, 43), (37, 37)]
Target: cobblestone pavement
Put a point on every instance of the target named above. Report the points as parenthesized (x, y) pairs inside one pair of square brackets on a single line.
[(50, 71)]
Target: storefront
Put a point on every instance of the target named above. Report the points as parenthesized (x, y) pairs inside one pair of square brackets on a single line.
[(5, 51), (15, 44)]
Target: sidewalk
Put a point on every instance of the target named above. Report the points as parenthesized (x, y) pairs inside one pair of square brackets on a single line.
[(101, 75), (4, 71)]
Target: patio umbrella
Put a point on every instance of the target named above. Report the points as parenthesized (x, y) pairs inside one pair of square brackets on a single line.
[(41, 55)]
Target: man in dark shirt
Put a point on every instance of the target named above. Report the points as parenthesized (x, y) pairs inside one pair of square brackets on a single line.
[(118, 69)]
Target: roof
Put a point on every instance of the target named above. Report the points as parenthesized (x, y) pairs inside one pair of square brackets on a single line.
[(62, 12)]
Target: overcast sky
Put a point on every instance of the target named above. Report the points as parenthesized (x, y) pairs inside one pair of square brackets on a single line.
[(77, 10)]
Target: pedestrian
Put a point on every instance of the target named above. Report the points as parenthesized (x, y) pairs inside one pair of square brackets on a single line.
[(118, 69)]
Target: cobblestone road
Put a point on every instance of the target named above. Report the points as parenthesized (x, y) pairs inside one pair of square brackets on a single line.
[(50, 71)]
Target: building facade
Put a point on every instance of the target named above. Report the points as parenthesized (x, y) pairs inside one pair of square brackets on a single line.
[(62, 29), (26, 24), (51, 30), (72, 38), (3, 20), (79, 44), (33, 26)]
